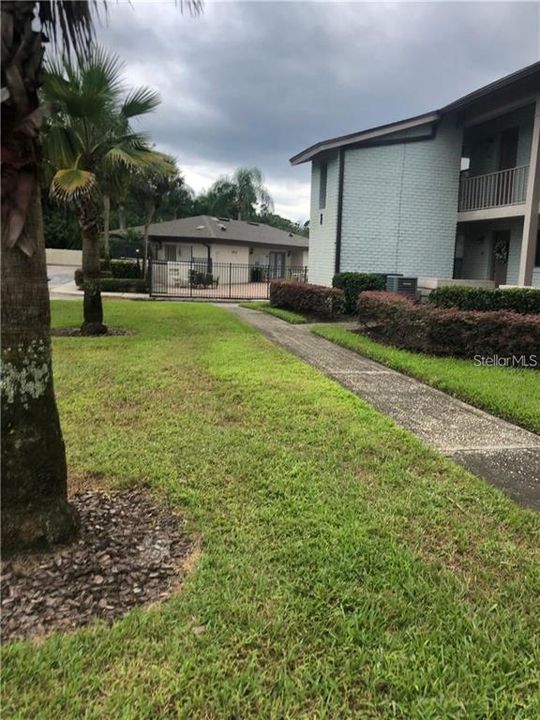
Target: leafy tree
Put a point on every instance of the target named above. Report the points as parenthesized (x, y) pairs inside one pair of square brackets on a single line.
[(34, 493), (237, 196), (284, 224), (149, 187), (88, 139), (60, 225)]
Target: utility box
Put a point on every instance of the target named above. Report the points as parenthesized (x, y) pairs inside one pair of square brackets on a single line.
[(402, 285)]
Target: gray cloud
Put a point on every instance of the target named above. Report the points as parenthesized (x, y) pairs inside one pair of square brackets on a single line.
[(254, 83)]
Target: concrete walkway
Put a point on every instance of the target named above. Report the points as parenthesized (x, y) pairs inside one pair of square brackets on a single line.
[(503, 454)]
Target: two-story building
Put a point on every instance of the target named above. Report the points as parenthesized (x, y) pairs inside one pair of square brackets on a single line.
[(452, 193)]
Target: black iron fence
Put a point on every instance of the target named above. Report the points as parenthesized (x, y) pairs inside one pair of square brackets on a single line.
[(218, 281)]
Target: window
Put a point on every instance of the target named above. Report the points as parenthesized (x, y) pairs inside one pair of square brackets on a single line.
[(537, 256), (323, 174), (170, 253)]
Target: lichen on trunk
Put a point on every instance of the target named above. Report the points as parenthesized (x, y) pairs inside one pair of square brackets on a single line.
[(35, 511)]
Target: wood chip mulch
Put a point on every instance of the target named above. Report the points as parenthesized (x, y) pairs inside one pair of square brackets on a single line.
[(130, 551)]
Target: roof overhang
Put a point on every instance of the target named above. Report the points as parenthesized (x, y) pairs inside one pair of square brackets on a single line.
[(369, 135), (525, 77), (224, 241)]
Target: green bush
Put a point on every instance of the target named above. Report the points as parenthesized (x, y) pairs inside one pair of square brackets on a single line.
[(125, 269), (301, 297), (124, 285), (353, 283), (525, 301), (397, 320)]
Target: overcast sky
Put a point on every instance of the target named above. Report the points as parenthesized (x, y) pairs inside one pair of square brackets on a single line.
[(253, 83)]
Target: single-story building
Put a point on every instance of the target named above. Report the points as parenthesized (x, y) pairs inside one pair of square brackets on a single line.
[(212, 241)]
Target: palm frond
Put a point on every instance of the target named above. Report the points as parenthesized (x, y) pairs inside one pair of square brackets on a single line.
[(140, 101), (135, 156), (84, 88), (71, 184), (69, 23), (61, 145)]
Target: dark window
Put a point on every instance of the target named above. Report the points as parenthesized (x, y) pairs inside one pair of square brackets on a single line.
[(322, 185), (537, 256), (320, 219)]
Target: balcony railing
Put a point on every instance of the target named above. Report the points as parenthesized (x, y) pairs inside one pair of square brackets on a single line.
[(506, 187)]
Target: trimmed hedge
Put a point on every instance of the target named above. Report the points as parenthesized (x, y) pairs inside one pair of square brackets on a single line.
[(118, 270), (116, 284), (426, 328), (353, 283), (525, 301), (125, 269), (124, 285), (324, 302)]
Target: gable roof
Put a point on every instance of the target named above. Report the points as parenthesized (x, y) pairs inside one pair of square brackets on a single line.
[(429, 118), (206, 228)]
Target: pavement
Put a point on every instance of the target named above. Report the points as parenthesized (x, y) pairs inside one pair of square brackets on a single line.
[(62, 286), (505, 455)]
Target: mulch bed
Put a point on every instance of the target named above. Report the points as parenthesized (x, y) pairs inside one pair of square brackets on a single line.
[(130, 551), (76, 332)]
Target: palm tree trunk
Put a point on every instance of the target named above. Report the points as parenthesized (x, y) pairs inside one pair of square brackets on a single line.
[(35, 510), (92, 308), (146, 229), (122, 216), (106, 226)]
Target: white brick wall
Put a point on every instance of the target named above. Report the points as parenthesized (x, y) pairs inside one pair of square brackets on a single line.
[(322, 238), (400, 206)]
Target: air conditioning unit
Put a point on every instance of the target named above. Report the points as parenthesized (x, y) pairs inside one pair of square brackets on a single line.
[(402, 285)]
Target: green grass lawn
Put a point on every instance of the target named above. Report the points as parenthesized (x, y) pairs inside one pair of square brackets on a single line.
[(511, 393), (287, 315), (347, 571)]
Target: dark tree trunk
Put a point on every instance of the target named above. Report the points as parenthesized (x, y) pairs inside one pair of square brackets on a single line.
[(106, 227), (145, 236), (34, 476), (93, 308), (122, 216), (35, 510)]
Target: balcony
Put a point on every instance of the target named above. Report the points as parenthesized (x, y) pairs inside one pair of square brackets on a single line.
[(497, 189)]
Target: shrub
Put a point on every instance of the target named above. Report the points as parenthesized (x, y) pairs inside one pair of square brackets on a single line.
[(124, 285), (119, 270), (525, 301), (125, 269), (303, 297), (353, 283), (440, 331)]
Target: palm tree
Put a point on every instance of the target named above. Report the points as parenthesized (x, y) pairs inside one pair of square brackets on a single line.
[(34, 489), (251, 191), (149, 187), (90, 137), (239, 195)]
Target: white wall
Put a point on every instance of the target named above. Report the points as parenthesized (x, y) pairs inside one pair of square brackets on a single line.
[(55, 256), (400, 206), (477, 257), (230, 254), (322, 236)]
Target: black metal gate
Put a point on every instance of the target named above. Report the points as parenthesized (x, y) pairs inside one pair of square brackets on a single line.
[(205, 279)]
